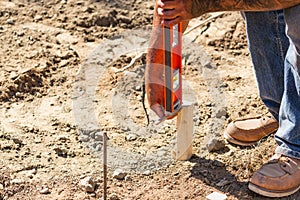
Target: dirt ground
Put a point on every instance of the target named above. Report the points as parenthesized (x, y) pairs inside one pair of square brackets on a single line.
[(63, 83)]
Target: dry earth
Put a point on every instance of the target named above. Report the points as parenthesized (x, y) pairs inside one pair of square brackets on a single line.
[(61, 87)]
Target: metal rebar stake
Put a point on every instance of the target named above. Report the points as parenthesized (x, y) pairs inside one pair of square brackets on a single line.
[(104, 166)]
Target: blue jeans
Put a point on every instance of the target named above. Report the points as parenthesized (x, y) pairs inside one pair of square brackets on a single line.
[(274, 44)]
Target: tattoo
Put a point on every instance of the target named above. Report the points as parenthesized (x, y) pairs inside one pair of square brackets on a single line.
[(199, 7)]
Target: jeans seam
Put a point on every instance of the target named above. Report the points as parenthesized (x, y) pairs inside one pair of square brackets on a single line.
[(278, 40)]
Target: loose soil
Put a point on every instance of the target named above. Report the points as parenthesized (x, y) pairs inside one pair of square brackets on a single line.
[(63, 83)]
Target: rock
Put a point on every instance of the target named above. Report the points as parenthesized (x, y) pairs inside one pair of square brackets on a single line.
[(87, 184), (221, 112), (216, 196), (138, 88), (124, 19), (17, 141), (128, 178), (130, 137), (10, 21), (1, 187), (99, 136), (113, 196), (84, 138), (64, 63), (161, 153), (98, 147), (29, 173), (38, 17), (16, 181), (119, 174), (147, 172), (66, 38), (20, 33), (45, 190), (214, 144)]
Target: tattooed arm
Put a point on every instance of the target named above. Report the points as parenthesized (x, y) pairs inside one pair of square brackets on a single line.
[(178, 10)]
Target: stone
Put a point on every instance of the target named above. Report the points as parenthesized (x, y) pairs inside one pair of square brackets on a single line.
[(1, 187), (38, 17), (45, 190), (10, 21), (16, 181), (119, 174), (87, 184), (130, 137), (147, 172), (99, 136), (113, 196), (128, 178), (221, 112), (214, 144), (29, 173), (84, 138), (216, 196)]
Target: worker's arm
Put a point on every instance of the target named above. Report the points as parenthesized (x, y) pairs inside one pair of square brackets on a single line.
[(174, 11), (171, 12), (154, 73)]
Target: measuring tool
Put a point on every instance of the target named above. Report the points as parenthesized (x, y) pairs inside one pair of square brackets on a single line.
[(173, 71)]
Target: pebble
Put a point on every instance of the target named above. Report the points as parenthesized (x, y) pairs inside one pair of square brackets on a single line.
[(98, 147), (147, 172), (20, 33), (113, 196), (10, 21), (128, 178), (38, 17), (130, 137), (64, 63), (221, 112), (29, 173), (16, 181), (84, 138), (161, 153), (1, 187), (216, 196), (99, 136), (138, 88), (87, 184), (45, 190), (119, 174), (214, 144)]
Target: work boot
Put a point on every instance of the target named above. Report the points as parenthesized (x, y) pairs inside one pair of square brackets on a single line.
[(247, 132), (278, 178)]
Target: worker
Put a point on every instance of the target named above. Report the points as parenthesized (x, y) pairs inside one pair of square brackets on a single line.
[(273, 33)]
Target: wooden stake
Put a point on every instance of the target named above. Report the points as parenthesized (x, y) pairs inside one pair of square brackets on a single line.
[(185, 130)]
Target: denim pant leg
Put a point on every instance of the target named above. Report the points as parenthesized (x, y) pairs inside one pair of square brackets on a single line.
[(288, 134), (268, 45)]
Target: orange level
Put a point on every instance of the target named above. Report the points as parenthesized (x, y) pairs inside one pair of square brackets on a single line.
[(173, 68)]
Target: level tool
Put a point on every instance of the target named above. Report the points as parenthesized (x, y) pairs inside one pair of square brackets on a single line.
[(173, 70)]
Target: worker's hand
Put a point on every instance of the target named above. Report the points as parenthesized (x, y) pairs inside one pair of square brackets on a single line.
[(175, 11)]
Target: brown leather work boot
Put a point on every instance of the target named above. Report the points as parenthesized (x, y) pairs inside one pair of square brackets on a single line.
[(278, 178), (247, 132)]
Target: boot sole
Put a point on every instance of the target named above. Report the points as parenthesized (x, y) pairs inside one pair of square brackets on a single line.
[(270, 193), (238, 142)]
